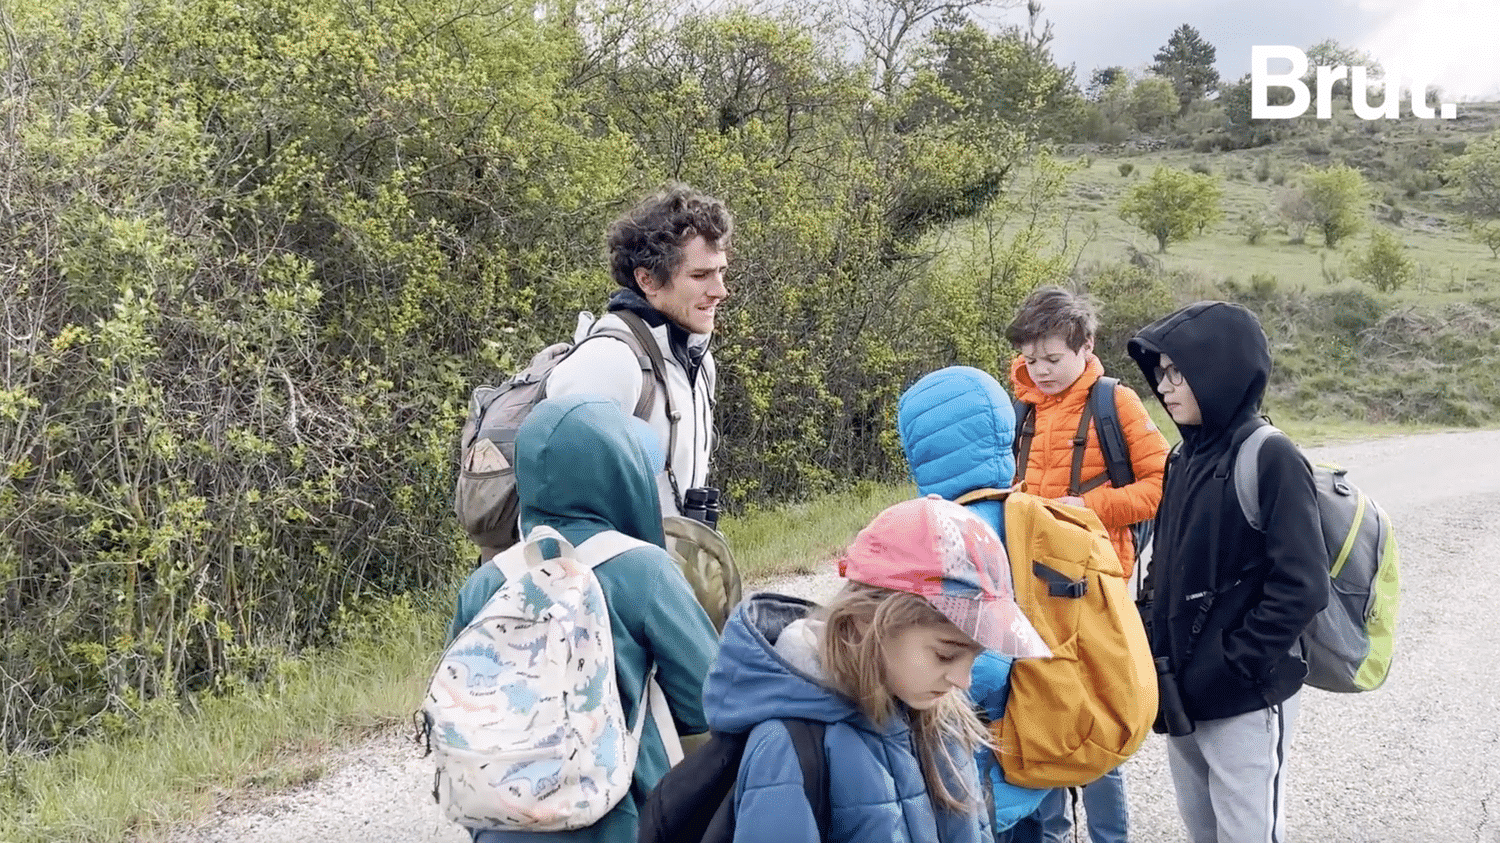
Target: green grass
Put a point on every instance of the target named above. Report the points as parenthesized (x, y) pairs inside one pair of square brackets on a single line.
[(1450, 265), (796, 537), (178, 766)]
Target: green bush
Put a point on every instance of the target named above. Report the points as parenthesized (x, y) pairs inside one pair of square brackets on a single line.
[(1129, 298), (1382, 264), (1126, 168)]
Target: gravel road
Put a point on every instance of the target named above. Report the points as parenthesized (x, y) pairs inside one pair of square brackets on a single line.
[(1415, 760)]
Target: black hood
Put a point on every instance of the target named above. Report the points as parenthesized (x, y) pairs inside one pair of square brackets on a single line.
[(1221, 351), (688, 354)]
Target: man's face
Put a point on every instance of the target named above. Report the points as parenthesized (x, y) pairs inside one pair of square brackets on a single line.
[(1052, 365), (1181, 404), (923, 663), (695, 290)]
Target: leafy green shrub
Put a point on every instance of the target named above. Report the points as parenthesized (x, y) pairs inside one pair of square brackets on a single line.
[(1173, 205), (1129, 298), (1254, 226), (1382, 264)]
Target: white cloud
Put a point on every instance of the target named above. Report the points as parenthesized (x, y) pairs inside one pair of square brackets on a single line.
[(1449, 42)]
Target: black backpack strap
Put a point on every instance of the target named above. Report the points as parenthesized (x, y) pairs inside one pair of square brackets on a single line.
[(807, 740), (1111, 435), (1076, 486), (1058, 583), (1101, 410), (1025, 432)]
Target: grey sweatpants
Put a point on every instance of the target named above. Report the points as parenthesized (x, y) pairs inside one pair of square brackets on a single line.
[(1230, 774)]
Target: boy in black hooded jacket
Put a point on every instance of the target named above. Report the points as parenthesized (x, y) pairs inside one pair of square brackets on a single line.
[(1229, 602)]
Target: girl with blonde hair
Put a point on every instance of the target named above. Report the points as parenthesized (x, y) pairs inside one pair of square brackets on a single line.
[(883, 667)]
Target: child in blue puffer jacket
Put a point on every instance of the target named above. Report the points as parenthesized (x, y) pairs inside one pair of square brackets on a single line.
[(957, 426)]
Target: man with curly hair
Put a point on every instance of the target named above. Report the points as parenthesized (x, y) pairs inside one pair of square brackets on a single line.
[(669, 255)]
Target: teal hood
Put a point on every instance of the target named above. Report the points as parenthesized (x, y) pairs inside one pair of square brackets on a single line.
[(583, 466)]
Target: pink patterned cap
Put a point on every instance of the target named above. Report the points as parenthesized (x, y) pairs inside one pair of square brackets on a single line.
[(949, 555)]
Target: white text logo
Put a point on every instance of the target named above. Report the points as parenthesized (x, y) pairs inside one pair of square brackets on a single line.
[(1262, 79)]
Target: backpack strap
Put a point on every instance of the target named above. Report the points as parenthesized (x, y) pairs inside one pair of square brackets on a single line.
[(645, 359), (1247, 474), (1100, 408), (1112, 442), (595, 551), (1076, 485), (647, 343), (986, 494), (807, 740), (606, 545), (1025, 432)]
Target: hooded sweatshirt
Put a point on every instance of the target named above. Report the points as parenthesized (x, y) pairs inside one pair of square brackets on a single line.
[(1261, 588), (581, 471), (607, 366), (957, 426), (875, 785)]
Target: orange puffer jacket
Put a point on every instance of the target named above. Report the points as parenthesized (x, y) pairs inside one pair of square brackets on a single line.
[(1050, 463)]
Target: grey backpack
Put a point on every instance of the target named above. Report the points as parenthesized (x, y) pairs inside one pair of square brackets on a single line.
[(484, 498), (1348, 645)]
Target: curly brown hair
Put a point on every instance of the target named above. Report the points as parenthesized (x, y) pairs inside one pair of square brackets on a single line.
[(652, 234)]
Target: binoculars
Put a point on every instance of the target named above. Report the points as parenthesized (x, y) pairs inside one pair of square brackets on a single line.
[(1171, 716), (701, 503)]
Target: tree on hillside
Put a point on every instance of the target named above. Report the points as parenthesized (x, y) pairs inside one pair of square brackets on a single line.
[(1330, 53), (1173, 205), (1338, 197), (887, 29), (1101, 79), (1152, 101), (1188, 61), (1477, 175), (1007, 77)]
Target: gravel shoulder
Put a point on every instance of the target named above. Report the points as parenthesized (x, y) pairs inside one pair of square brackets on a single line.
[(1416, 760)]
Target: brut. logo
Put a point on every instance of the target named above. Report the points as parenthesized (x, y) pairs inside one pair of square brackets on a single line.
[(1262, 79)]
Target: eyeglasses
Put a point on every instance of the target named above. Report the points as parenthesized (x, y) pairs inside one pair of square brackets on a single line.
[(1170, 374)]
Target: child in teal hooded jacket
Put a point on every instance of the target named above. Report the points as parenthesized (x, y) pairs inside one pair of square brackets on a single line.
[(582, 467)]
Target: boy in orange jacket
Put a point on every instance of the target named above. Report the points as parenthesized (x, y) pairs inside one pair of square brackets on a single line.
[(1053, 372)]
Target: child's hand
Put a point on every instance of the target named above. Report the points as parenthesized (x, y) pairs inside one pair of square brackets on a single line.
[(1071, 500)]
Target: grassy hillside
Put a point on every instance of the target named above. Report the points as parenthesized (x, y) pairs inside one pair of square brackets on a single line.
[(1422, 354)]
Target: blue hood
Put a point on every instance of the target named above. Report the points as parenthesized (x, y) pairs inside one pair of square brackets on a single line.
[(750, 683), (957, 427)]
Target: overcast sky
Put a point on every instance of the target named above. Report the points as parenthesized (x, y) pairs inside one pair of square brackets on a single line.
[(1456, 43)]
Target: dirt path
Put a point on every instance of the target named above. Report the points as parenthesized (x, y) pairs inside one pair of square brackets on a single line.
[(1416, 760)]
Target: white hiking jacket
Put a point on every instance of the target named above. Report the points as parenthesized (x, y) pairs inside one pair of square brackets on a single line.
[(607, 366)]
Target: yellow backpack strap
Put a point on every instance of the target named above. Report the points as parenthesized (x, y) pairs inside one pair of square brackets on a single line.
[(982, 495)]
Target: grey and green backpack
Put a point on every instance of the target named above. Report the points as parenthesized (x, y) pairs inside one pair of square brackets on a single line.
[(1348, 645)]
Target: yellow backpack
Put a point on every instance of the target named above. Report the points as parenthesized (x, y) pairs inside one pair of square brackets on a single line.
[(1075, 716)]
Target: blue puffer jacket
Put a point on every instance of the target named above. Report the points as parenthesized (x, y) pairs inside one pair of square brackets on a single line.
[(876, 790), (957, 427)]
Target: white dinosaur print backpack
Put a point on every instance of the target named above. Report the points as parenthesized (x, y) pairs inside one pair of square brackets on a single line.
[(522, 714)]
